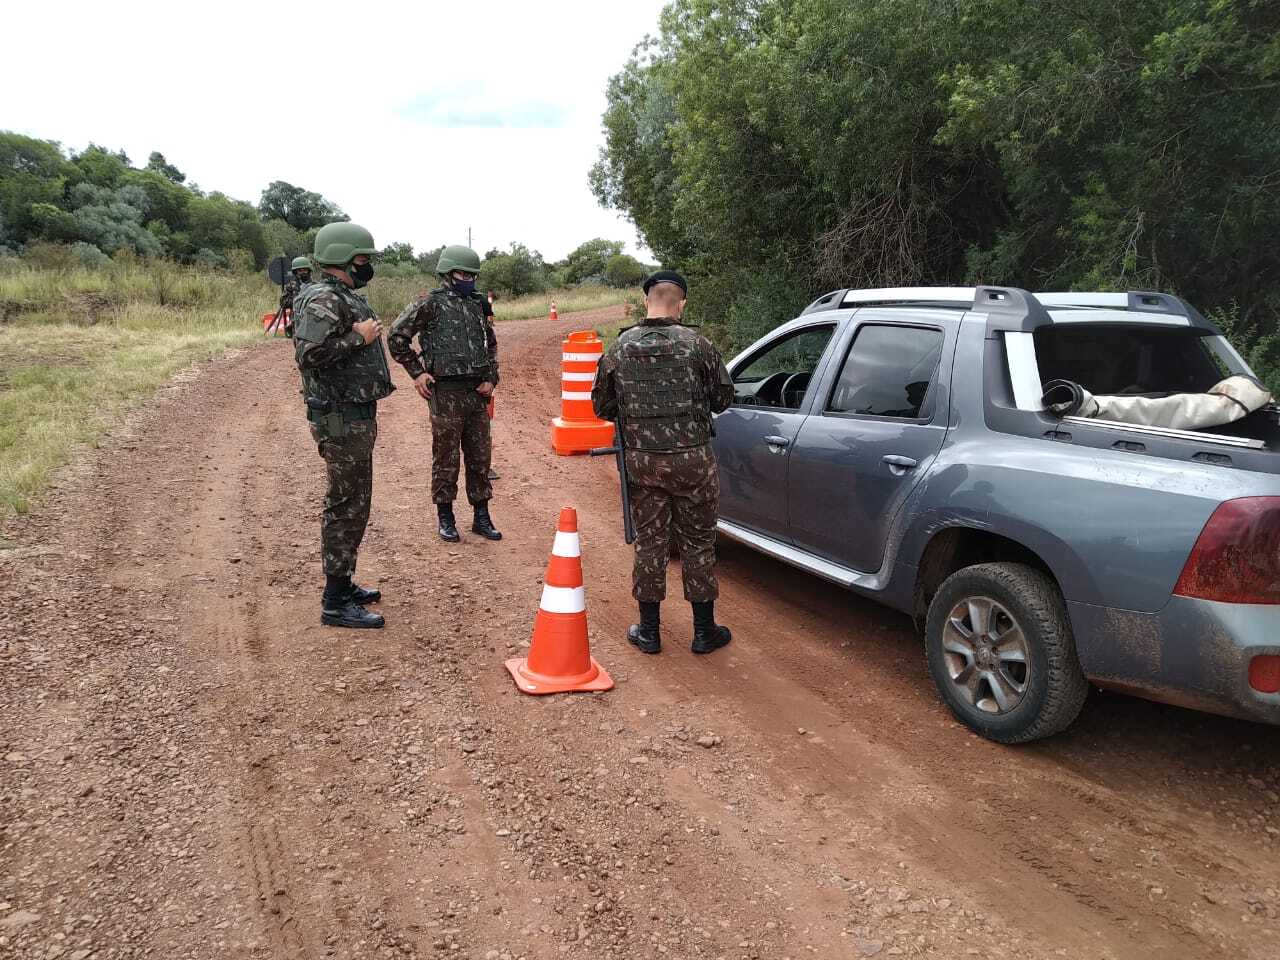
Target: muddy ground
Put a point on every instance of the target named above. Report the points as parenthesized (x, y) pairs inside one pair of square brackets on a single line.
[(192, 767)]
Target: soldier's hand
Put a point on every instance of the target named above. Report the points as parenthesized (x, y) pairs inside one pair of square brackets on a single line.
[(369, 329), (485, 389), (422, 383)]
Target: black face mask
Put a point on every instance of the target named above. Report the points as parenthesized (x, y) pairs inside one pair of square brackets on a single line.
[(361, 273)]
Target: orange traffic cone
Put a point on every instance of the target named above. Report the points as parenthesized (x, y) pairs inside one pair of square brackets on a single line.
[(554, 315), (560, 658)]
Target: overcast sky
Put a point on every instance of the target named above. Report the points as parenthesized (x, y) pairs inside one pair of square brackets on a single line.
[(418, 119)]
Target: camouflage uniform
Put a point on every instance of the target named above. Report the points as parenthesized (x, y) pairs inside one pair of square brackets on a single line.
[(460, 350), (343, 379), (662, 382), (292, 287)]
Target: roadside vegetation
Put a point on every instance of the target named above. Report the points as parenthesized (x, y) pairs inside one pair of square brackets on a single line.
[(774, 150), (114, 277)]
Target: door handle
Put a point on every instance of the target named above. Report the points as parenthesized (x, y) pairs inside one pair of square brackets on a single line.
[(899, 465), (777, 441)]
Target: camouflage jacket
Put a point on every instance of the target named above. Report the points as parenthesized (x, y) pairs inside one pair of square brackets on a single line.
[(455, 336), (290, 292), (335, 362), (661, 382)]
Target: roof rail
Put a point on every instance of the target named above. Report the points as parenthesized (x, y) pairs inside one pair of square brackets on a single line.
[(828, 301), (1136, 301), (949, 296)]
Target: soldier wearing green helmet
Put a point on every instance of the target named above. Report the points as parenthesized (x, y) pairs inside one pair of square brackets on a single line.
[(455, 369), (344, 375), (300, 277)]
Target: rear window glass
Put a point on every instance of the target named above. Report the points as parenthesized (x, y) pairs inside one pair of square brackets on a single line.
[(1126, 360)]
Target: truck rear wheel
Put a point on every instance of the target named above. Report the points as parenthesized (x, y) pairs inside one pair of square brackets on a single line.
[(1000, 650)]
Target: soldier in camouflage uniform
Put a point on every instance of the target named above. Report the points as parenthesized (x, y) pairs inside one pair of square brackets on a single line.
[(661, 382), (344, 374), (455, 371), (299, 278)]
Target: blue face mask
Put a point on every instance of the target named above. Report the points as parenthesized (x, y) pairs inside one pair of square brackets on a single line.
[(464, 287)]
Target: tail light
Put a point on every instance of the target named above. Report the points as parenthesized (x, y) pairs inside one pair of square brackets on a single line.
[(1237, 557), (1264, 673)]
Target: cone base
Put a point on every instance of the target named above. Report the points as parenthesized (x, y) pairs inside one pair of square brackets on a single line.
[(570, 436), (593, 681)]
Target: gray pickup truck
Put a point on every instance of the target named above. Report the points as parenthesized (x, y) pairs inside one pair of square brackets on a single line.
[(895, 442)]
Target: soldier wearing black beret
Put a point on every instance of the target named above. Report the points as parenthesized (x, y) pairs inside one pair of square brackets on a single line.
[(662, 382)]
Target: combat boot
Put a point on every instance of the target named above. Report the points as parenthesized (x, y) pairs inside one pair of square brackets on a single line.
[(362, 596), (448, 525), (646, 636), (483, 523), (707, 634), (339, 609)]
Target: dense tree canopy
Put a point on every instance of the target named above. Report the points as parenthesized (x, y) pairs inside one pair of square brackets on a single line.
[(98, 202), (777, 148)]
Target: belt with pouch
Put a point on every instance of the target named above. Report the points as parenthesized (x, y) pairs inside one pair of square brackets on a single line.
[(318, 411)]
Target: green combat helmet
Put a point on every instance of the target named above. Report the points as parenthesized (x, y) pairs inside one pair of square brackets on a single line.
[(301, 263), (338, 243), (455, 257)]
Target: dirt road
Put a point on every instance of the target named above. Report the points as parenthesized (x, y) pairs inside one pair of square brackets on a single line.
[(191, 766)]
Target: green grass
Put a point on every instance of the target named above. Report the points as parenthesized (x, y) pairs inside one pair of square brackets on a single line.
[(79, 347)]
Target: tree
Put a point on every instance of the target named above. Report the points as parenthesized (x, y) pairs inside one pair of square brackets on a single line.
[(773, 149), (219, 224), (590, 259), (299, 208), (156, 163), (31, 172), (283, 239), (624, 271), (397, 253), (516, 272), (100, 166)]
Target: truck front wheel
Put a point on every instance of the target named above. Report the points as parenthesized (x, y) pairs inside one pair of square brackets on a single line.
[(1001, 652)]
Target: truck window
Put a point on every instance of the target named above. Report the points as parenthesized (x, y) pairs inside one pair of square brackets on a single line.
[(887, 372), (1131, 359)]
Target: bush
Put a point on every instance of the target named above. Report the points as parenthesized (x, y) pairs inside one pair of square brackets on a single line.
[(210, 259), (516, 273), (90, 256), (45, 255)]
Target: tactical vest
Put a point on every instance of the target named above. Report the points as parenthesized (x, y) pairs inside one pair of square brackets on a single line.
[(363, 376), (662, 399), (459, 342)]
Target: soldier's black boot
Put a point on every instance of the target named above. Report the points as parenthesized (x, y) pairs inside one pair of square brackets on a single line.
[(448, 525), (707, 634), (362, 596), (339, 609), (646, 635), (483, 523)]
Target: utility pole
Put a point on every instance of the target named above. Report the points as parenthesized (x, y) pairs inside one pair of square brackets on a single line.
[(468, 236)]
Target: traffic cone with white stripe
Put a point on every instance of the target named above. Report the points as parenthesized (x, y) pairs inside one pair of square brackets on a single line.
[(553, 315), (560, 658)]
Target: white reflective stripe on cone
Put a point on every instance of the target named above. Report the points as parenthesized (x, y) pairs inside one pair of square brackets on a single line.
[(564, 599), (566, 545), (578, 377), (579, 357), (573, 395)]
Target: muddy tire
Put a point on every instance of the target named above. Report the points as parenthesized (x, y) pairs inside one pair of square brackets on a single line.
[(1000, 650)]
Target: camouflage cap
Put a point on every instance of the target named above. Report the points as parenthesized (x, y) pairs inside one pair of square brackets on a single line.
[(666, 276)]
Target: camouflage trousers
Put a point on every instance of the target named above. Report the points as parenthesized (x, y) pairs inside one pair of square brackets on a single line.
[(349, 465), (674, 494), (460, 424)]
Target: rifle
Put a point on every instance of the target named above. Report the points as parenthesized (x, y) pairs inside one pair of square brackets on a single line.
[(619, 449)]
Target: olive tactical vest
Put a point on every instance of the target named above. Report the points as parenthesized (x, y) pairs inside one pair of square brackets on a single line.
[(662, 398), (458, 337), (363, 376)]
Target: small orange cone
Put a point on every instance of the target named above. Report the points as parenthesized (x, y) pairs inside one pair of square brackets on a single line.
[(560, 658), (554, 315)]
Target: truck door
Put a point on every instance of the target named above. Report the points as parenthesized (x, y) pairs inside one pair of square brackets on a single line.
[(754, 436), (866, 444)]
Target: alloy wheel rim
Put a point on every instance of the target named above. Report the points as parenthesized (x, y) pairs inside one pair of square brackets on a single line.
[(985, 650)]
